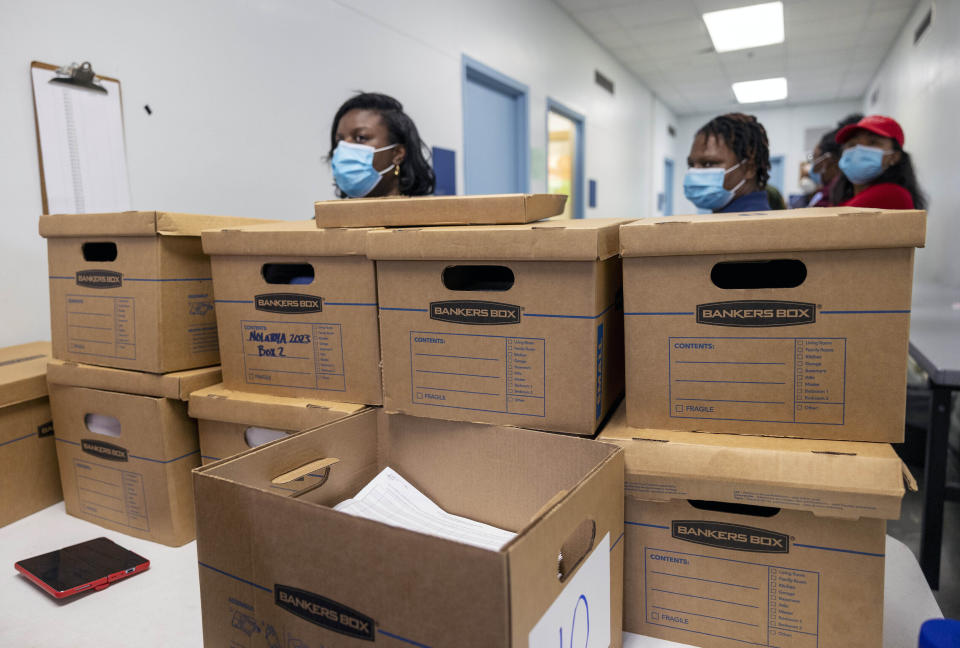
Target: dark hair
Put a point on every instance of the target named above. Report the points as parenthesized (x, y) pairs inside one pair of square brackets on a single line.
[(746, 136), (416, 174), (828, 143), (901, 173)]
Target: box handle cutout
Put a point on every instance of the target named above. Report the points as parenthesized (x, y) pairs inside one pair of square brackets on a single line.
[(288, 273), (102, 424), (303, 470), (575, 548), (834, 452), (256, 436), (752, 275), (103, 251), (734, 508), (478, 277)]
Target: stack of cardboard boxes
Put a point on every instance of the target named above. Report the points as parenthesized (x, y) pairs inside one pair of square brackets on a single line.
[(489, 329), (134, 333), (785, 335), (746, 502)]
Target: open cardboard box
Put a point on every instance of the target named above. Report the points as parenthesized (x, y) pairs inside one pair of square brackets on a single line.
[(29, 477), (403, 211), (791, 323), (126, 447), (735, 540), (277, 561), (297, 311), (132, 290), (231, 422), (507, 324)]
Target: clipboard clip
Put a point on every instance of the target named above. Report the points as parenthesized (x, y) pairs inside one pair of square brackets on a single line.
[(78, 76)]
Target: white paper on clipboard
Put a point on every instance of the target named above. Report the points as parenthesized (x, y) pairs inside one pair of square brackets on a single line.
[(82, 146)]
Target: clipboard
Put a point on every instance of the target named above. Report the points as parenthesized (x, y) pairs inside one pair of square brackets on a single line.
[(103, 158)]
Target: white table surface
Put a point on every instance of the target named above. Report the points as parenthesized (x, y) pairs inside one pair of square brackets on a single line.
[(161, 607)]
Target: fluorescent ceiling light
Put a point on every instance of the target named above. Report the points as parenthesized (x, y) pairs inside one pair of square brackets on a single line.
[(761, 90), (753, 26)]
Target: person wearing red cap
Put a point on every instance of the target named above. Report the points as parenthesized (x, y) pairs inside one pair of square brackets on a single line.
[(877, 172)]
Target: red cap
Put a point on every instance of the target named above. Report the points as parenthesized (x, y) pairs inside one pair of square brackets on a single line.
[(878, 124)]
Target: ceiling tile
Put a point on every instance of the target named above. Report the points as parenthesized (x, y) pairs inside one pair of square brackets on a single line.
[(650, 12), (597, 20)]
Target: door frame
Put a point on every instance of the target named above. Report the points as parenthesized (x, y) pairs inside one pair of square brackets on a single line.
[(473, 70), (578, 166)]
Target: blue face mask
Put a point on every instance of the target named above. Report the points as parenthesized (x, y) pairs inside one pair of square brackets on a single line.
[(353, 168), (861, 164), (704, 187), (814, 175)]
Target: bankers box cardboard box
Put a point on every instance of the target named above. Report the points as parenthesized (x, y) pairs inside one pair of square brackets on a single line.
[(132, 290), (297, 311), (29, 478), (231, 422), (280, 567), (508, 324), (791, 323), (735, 540), (403, 211), (126, 447)]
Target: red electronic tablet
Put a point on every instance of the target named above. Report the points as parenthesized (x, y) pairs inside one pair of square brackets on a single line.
[(93, 564)]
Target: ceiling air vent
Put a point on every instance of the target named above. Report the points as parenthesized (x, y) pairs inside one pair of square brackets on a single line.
[(923, 26), (603, 81)]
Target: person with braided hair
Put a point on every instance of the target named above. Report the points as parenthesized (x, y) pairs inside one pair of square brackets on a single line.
[(729, 165)]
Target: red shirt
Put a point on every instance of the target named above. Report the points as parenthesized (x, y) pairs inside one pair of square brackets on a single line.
[(882, 196)]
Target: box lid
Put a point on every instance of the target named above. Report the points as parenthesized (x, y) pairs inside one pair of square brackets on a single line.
[(403, 211), (177, 385), (289, 238), (136, 223), (560, 240), (829, 478), (23, 372), (818, 228), (217, 403)]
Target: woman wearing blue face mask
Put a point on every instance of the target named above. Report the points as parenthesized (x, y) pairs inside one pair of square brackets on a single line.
[(877, 172), (728, 165), (375, 150)]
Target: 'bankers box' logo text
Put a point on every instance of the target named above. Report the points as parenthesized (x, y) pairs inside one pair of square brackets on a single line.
[(755, 313), (289, 303), (103, 450), (324, 612), (730, 536), (474, 312), (99, 279)]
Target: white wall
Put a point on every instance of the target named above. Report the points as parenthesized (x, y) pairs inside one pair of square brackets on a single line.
[(785, 131), (243, 93), (919, 86)]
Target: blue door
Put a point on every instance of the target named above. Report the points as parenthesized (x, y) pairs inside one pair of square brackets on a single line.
[(668, 187), (776, 173), (494, 131)]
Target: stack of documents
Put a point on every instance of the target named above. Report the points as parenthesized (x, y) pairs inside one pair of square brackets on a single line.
[(391, 499)]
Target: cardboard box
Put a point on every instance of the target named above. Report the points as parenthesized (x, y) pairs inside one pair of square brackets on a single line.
[(402, 211), (225, 418), (508, 324), (126, 447), (303, 574), (297, 311), (791, 323), (29, 478), (132, 290), (735, 540)]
